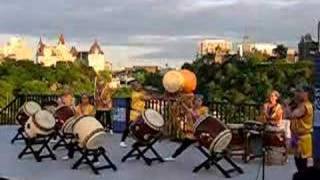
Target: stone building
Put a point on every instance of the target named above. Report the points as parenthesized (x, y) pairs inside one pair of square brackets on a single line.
[(308, 48), (49, 55), (16, 48)]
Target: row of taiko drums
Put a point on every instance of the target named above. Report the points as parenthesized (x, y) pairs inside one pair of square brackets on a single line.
[(89, 133), (36, 121)]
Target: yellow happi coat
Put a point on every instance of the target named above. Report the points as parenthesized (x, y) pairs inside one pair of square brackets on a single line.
[(137, 105), (301, 128), (187, 126)]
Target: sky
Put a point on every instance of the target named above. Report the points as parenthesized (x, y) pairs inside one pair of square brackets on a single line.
[(157, 32)]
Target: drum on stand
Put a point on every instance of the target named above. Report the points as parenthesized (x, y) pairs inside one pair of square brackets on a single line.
[(27, 110), (274, 139), (238, 136), (42, 123), (147, 126), (212, 134), (62, 114), (89, 132), (50, 106), (274, 136), (254, 132), (254, 127), (67, 126)]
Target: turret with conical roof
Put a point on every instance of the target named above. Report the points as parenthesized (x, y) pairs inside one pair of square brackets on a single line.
[(95, 46), (74, 51), (41, 47), (61, 39)]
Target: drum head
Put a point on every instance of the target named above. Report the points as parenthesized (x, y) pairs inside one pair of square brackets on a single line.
[(31, 107), (51, 109), (275, 129), (96, 141), (173, 81), (45, 119), (221, 142), (235, 126), (153, 119), (67, 126), (251, 122), (75, 123)]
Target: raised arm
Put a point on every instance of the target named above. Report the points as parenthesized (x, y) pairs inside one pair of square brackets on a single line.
[(298, 112)]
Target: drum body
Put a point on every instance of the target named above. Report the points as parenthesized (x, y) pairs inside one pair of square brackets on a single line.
[(254, 127), (212, 134), (254, 133), (28, 109), (147, 126), (67, 126), (173, 81), (238, 136), (274, 136), (89, 132), (62, 114), (42, 123), (50, 106), (189, 81)]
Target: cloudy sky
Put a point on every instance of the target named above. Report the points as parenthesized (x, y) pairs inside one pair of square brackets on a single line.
[(157, 31)]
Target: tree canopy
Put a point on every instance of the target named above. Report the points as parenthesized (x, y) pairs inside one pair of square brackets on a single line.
[(247, 81)]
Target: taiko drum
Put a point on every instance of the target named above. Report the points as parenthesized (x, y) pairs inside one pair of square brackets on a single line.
[(184, 80)]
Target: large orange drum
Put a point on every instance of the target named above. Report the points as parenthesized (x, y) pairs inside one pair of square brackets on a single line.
[(190, 81), (173, 81), (184, 80), (212, 134)]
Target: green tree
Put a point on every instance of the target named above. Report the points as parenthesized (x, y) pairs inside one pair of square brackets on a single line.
[(280, 51)]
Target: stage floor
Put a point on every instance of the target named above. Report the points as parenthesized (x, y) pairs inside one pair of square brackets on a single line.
[(28, 169)]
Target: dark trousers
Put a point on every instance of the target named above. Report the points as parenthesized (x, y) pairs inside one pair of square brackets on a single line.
[(301, 163), (105, 118), (185, 144), (126, 132)]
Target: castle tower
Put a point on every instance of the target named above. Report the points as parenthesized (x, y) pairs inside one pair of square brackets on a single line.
[(61, 40), (96, 58)]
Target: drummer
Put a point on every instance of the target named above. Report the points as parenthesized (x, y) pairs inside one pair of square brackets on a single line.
[(301, 127), (85, 108), (196, 112), (272, 112), (103, 103), (66, 99), (138, 98)]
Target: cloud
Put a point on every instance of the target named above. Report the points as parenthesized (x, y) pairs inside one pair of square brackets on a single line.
[(193, 6)]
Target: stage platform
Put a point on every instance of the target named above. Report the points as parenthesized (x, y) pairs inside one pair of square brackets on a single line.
[(28, 169)]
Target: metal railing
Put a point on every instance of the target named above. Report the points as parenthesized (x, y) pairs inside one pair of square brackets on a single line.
[(226, 112)]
